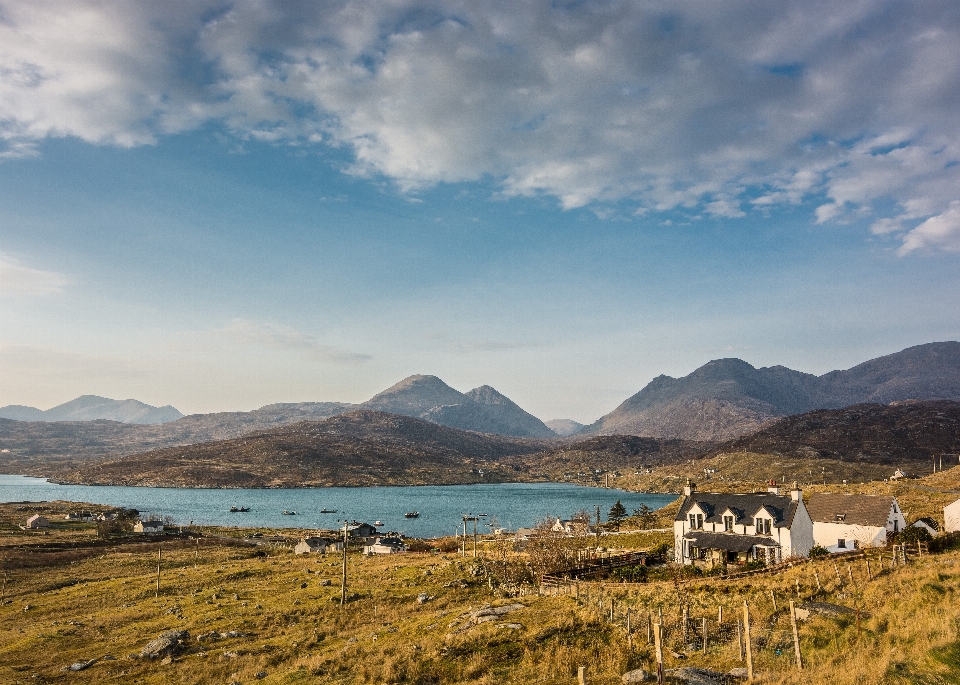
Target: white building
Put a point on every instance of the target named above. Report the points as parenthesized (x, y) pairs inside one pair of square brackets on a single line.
[(315, 545), (713, 528), (148, 527), (951, 517), (385, 546), (37, 521), (846, 522)]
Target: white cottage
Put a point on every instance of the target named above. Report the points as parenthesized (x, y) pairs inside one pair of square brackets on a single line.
[(713, 528), (385, 546), (148, 527), (37, 521), (315, 545), (951, 517), (846, 522)]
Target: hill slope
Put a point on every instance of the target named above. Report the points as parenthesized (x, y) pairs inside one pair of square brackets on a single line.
[(726, 398), (482, 409), (92, 408), (356, 448)]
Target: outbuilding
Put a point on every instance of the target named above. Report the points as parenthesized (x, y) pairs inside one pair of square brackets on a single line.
[(315, 545), (37, 521), (148, 527), (385, 546), (951, 517), (845, 522)]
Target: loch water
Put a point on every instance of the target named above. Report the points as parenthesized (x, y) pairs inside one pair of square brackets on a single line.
[(440, 507)]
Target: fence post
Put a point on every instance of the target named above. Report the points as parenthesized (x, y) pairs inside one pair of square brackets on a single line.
[(869, 572), (850, 574), (658, 641), (773, 596), (649, 627), (582, 675), (684, 619), (629, 632), (740, 638), (796, 635), (837, 569), (817, 576), (704, 637), (746, 639), (720, 615)]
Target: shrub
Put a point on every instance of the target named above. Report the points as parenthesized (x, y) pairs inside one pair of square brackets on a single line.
[(818, 551)]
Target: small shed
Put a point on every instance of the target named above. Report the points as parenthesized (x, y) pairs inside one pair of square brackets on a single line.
[(315, 545), (360, 530), (385, 546), (37, 521), (928, 524), (148, 527)]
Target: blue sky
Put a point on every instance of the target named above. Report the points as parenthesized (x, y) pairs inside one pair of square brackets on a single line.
[(222, 205)]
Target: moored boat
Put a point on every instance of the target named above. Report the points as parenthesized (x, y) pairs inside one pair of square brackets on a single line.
[(289, 513), (328, 511), (234, 510), (412, 514)]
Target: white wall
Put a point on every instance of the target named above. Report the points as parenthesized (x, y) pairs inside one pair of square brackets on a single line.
[(951, 516), (801, 535), (827, 535)]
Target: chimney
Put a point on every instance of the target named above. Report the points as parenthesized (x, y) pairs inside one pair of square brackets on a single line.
[(773, 488), (689, 488), (796, 494)]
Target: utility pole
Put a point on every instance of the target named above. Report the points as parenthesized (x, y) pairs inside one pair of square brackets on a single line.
[(159, 558), (343, 579), (474, 537)]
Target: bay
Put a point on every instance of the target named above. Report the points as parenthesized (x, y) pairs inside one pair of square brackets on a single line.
[(441, 507)]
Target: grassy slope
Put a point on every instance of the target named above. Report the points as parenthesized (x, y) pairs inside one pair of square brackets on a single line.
[(105, 604)]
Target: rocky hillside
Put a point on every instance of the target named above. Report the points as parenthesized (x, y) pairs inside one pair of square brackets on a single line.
[(482, 409), (728, 397), (910, 434), (357, 448), (92, 408), (564, 427)]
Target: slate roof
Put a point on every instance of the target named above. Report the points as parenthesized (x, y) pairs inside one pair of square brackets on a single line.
[(744, 506), (859, 510), (730, 542)]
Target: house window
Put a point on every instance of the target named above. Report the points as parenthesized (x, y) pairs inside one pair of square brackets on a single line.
[(728, 523), (841, 544), (696, 520), (763, 526)]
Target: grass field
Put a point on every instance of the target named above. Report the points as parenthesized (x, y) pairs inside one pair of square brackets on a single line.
[(266, 615)]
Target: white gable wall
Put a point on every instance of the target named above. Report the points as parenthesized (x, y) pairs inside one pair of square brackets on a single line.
[(951, 517)]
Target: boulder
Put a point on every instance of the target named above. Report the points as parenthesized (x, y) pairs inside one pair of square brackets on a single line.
[(79, 665), (637, 676), (696, 676), (166, 644)]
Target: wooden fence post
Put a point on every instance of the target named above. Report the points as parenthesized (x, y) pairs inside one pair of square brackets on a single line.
[(817, 576), (740, 638), (649, 627), (796, 635), (704, 637), (797, 581), (869, 572), (746, 639), (629, 632), (850, 575), (773, 597), (684, 629), (837, 569), (658, 642), (720, 615), (582, 675)]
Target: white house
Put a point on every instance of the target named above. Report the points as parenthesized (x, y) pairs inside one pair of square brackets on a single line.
[(713, 528), (951, 517), (385, 546), (37, 521), (571, 527), (314, 545), (928, 524), (845, 522), (148, 527)]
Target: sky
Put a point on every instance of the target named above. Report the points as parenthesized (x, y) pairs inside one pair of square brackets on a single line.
[(220, 205)]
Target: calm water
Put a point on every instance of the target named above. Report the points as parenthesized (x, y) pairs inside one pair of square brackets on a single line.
[(440, 507)]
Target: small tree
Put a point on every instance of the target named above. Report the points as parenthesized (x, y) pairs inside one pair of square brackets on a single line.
[(645, 516), (618, 512)]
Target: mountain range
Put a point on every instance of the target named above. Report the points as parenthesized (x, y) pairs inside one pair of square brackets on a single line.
[(92, 408), (727, 398)]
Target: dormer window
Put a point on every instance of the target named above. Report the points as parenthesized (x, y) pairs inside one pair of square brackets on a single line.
[(839, 518), (763, 526), (696, 520), (728, 523)]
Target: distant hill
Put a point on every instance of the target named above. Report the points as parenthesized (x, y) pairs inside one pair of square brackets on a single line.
[(726, 398), (93, 408), (482, 409), (908, 433), (564, 427), (356, 448)]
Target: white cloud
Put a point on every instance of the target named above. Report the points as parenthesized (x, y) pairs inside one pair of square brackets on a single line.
[(660, 104), (941, 231), (276, 337), (16, 279)]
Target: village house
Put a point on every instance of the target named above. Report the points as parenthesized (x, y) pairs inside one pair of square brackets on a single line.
[(148, 527), (85, 516), (360, 530), (37, 521), (571, 527), (951, 517), (714, 529), (315, 545), (846, 522), (385, 546)]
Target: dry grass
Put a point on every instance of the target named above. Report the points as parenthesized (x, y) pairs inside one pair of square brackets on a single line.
[(105, 604)]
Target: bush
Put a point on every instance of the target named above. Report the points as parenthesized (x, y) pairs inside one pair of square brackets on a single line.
[(755, 565), (913, 534), (818, 551)]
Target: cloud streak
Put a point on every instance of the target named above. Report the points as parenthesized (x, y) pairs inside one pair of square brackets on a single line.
[(16, 279), (717, 108), (275, 337)]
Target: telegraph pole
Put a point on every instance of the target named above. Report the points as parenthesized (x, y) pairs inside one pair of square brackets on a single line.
[(343, 579)]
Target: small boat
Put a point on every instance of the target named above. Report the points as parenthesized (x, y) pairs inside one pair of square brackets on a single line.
[(328, 511), (234, 510), (378, 522), (412, 514), (289, 513)]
